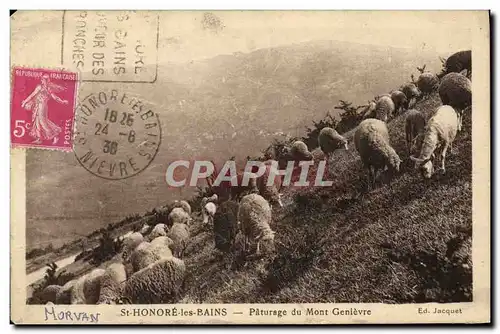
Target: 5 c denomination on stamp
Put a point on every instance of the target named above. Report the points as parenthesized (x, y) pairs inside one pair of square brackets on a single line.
[(42, 108), (117, 135)]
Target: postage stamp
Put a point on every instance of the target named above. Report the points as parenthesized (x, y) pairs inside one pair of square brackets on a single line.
[(108, 46), (42, 108), (252, 167), (117, 135)]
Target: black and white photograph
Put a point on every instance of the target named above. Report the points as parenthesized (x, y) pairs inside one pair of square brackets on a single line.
[(245, 167)]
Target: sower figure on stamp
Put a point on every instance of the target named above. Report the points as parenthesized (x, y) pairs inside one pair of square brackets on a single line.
[(42, 127)]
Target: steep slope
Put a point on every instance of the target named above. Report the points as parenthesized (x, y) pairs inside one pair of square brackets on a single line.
[(394, 244), (210, 109)]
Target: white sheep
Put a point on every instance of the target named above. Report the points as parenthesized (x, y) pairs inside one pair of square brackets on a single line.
[(208, 213), (182, 204), (369, 111), (400, 101), (111, 283), (412, 93), (158, 231), (427, 82), (131, 242), (254, 219), (455, 91), (163, 240), (439, 134), (372, 142), (270, 192), (300, 152), (414, 126), (144, 230), (87, 288), (385, 108), (63, 296), (214, 198), (330, 140), (158, 283), (147, 253), (178, 215), (49, 293), (179, 233)]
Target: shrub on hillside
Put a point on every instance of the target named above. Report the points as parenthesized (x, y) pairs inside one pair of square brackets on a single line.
[(108, 247), (312, 133), (35, 252), (350, 118), (293, 257), (52, 277)]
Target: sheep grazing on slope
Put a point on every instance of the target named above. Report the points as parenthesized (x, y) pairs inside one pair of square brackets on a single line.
[(158, 283), (458, 62), (63, 296), (163, 240), (330, 140), (49, 293), (372, 142), (158, 231), (384, 108), (369, 111), (131, 242), (111, 283), (178, 215), (427, 83), (412, 93), (182, 204), (414, 127), (208, 213), (254, 217), (439, 133), (400, 101), (179, 233), (87, 288), (270, 192), (147, 253), (145, 229), (300, 152), (455, 90), (225, 225), (239, 190)]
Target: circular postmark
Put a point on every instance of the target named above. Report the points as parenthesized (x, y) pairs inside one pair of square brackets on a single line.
[(117, 135)]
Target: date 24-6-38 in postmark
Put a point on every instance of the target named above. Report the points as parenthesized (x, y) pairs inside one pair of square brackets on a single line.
[(42, 108)]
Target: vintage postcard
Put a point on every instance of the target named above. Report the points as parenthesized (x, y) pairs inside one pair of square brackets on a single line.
[(250, 167)]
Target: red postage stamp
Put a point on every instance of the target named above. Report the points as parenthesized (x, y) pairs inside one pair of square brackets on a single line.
[(42, 108)]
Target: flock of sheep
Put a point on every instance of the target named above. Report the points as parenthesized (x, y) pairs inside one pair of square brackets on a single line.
[(151, 269)]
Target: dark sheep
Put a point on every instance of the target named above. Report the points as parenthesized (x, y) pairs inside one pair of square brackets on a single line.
[(225, 225)]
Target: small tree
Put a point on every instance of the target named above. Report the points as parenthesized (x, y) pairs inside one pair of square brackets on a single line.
[(350, 118), (421, 69), (50, 273), (108, 247)]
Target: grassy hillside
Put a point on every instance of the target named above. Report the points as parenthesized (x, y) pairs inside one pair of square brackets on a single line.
[(407, 241), (211, 108), (404, 242)]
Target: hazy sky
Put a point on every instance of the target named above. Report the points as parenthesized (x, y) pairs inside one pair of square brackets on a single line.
[(182, 37)]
